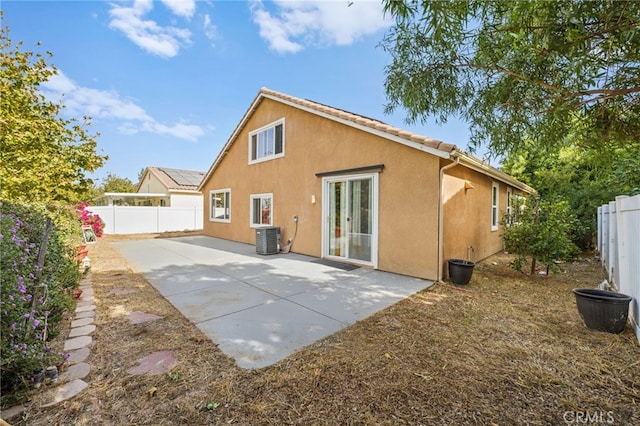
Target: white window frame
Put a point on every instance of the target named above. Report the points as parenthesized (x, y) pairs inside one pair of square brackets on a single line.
[(212, 207), (509, 202), (257, 133), (253, 197), (495, 202)]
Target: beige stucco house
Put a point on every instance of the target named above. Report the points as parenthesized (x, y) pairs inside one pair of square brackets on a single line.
[(179, 187), (161, 186), (349, 188)]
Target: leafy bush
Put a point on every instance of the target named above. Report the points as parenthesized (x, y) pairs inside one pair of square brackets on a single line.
[(541, 230), (33, 300)]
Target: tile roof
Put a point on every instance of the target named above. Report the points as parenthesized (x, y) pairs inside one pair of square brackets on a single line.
[(360, 120), (178, 179), (377, 127)]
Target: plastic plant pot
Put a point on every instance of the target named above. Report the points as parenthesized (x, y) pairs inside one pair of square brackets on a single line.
[(602, 310), (460, 271)]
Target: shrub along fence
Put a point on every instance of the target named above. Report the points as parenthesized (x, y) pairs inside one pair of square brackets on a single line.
[(619, 246), (144, 219), (39, 270)]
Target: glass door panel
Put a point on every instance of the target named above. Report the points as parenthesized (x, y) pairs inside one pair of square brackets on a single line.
[(350, 211), (360, 219), (337, 219)]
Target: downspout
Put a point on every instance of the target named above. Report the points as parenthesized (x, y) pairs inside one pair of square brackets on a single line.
[(456, 160)]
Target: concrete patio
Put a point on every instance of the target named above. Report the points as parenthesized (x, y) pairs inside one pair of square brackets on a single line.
[(260, 309)]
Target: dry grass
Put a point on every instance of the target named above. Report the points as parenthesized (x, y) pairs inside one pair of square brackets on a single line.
[(506, 349)]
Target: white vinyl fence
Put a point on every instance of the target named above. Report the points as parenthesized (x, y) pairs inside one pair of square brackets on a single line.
[(142, 219), (619, 246)]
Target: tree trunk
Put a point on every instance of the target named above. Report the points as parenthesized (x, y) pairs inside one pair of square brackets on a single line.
[(533, 266)]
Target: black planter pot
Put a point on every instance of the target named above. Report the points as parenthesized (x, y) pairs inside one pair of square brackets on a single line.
[(460, 271), (602, 310)]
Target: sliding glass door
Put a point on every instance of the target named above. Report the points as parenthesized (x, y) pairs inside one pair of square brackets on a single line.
[(350, 207)]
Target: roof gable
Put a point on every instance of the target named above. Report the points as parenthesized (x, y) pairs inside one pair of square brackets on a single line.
[(366, 124), (175, 179)]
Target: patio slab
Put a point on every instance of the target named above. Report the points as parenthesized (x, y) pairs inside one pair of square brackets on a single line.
[(260, 336), (219, 300), (184, 279), (261, 309)]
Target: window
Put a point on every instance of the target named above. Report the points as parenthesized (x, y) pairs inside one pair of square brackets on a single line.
[(261, 210), (494, 206), (267, 142), (220, 206), (509, 204)]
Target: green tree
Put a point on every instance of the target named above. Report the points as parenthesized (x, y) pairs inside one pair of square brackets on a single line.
[(91, 193), (114, 183), (585, 178), (519, 70), (540, 230), (44, 157)]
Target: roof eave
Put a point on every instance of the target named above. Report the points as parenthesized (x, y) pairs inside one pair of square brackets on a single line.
[(187, 191), (404, 141), (133, 194), (482, 167)]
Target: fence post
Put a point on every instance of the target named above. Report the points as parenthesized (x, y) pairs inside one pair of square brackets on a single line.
[(599, 221), (629, 253), (604, 254), (613, 244), (42, 252), (622, 257)]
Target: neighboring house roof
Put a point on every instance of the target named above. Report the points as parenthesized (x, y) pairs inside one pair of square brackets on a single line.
[(369, 125), (176, 179)]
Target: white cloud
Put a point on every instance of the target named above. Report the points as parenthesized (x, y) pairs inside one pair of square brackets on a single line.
[(184, 8), (273, 30), (104, 104), (180, 130), (147, 34), (210, 30), (293, 25)]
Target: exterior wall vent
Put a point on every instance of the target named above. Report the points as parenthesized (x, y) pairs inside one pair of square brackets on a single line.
[(267, 240)]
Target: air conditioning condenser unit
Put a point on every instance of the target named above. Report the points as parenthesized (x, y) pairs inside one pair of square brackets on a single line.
[(267, 240)]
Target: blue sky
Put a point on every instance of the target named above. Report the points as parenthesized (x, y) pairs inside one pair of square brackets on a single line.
[(166, 82)]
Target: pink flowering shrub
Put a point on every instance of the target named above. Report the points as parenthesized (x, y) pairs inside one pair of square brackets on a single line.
[(89, 218)]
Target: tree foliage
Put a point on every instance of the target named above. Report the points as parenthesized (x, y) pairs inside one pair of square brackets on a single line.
[(585, 178), (540, 230), (115, 183), (44, 157), (516, 71)]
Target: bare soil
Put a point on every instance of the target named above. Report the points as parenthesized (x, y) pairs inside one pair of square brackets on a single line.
[(508, 348)]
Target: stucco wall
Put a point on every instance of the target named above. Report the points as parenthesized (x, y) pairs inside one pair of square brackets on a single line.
[(467, 215), (408, 187)]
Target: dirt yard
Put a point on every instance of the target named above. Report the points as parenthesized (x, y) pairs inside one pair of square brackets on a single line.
[(506, 349)]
